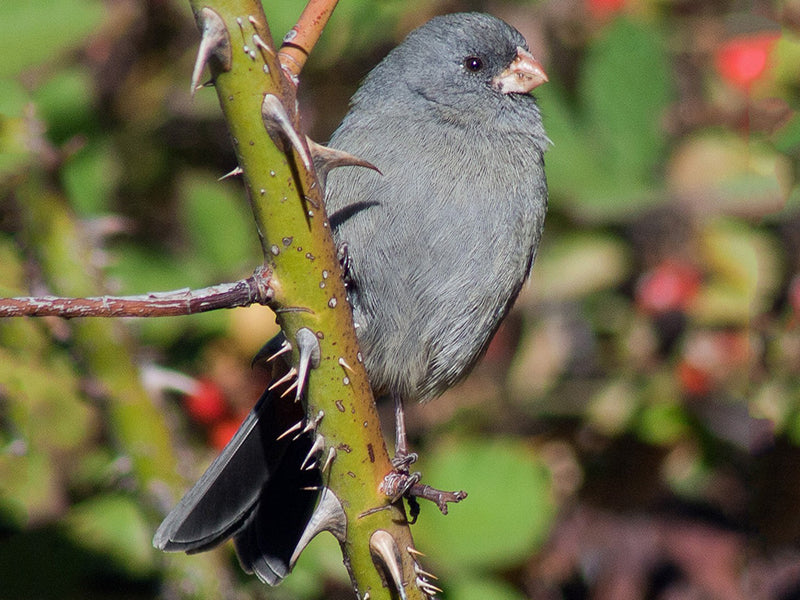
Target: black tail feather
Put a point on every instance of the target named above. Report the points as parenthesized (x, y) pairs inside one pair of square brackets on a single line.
[(253, 491), (266, 543)]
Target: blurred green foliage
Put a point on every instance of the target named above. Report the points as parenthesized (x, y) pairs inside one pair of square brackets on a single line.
[(648, 379)]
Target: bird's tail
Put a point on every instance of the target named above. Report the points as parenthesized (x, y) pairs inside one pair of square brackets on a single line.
[(257, 491)]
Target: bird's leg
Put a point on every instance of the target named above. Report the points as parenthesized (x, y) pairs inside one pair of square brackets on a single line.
[(402, 457), (401, 482)]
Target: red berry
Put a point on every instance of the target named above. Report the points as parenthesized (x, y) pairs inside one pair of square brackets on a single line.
[(743, 60), (206, 404), (669, 286)]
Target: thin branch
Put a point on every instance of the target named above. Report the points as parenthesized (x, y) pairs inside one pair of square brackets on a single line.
[(301, 38), (253, 290)]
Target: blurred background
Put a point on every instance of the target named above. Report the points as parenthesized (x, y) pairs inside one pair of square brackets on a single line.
[(633, 429)]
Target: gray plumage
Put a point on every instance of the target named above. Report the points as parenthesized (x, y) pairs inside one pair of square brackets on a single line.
[(439, 245)]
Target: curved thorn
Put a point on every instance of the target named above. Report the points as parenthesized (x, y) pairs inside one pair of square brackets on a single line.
[(287, 347), (233, 173), (215, 41), (316, 448), (289, 375), (326, 159), (329, 459), (344, 365), (327, 516), (289, 389), (268, 352), (386, 555), (423, 573), (308, 348), (428, 587), (277, 120), (413, 551), (291, 429)]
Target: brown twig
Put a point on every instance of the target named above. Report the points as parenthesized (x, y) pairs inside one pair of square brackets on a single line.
[(301, 38), (253, 290)]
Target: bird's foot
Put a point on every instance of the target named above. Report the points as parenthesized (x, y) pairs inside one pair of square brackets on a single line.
[(343, 256), (400, 483), (403, 460)]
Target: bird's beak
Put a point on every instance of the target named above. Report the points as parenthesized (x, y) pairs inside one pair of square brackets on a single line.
[(523, 74)]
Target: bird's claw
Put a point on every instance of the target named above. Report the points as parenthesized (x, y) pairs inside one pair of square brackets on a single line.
[(400, 483), (343, 256), (401, 462)]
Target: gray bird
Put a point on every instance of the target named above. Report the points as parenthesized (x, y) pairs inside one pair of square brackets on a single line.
[(438, 245)]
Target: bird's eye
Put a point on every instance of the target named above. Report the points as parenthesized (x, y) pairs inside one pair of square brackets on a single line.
[(473, 63)]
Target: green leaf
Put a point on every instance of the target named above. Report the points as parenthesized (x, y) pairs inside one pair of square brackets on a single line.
[(607, 149), (64, 102), (571, 165), (90, 177), (30, 487), (35, 32), (626, 88), (114, 526), (220, 226), (507, 515)]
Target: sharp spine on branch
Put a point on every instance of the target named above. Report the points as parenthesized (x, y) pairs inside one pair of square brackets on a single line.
[(268, 352), (309, 351), (386, 555), (310, 460), (327, 516), (297, 426), (215, 42), (276, 120), (326, 159), (233, 173), (288, 377)]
